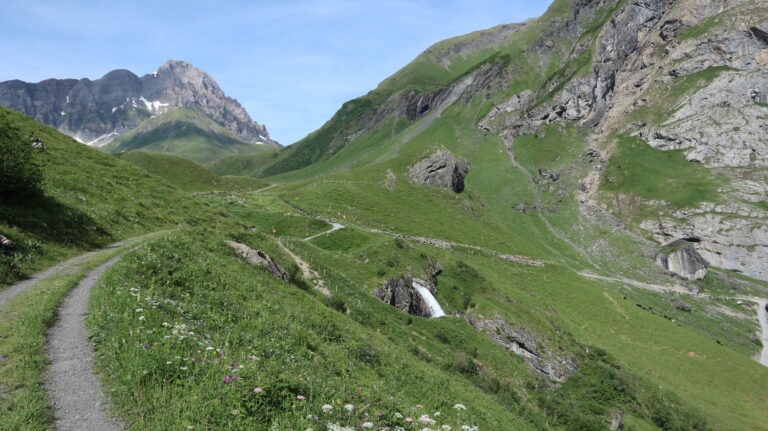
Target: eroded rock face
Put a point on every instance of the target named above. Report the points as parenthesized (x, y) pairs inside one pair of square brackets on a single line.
[(259, 258), (682, 259), (557, 366), (96, 112), (441, 169), (399, 293)]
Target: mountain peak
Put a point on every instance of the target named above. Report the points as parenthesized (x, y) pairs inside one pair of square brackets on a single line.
[(96, 112)]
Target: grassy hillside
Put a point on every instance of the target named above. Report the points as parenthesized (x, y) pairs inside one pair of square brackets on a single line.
[(186, 174), (185, 132), (89, 199), (242, 165), (243, 350)]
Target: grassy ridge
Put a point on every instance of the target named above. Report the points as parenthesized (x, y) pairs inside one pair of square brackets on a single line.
[(188, 175), (89, 199), (185, 132)]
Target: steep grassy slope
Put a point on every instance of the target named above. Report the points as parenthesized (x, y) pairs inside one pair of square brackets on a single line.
[(232, 346), (242, 165), (89, 199), (186, 174), (497, 104), (185, 132), (190, 335)]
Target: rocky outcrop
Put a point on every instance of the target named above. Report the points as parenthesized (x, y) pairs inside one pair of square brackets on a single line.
[(399, 293), (259, 258), (680, 257), (557, 366), (96, 112), (441, 169)]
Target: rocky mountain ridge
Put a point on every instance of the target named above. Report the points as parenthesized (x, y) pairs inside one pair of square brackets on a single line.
[(96, 112)]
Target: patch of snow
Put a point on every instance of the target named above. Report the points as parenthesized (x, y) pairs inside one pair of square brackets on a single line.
[(154, 74), (153, 106), (260, 143), (67, 99), (78, 139), (115, 109), (103, 139), (63, 113)]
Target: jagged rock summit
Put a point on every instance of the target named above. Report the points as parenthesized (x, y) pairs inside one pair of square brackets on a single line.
[(96, 112)]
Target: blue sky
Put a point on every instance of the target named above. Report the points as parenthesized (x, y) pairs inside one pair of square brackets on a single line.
[(291, 63)]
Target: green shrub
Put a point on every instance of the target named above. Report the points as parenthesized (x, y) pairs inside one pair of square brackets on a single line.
[(19, 174)]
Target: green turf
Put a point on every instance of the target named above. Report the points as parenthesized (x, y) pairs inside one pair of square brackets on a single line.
[(184, 132), (188, 175)]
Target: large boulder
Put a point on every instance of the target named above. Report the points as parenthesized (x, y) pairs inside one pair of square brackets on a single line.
[(680, 257), (441, 169), (259, 258)]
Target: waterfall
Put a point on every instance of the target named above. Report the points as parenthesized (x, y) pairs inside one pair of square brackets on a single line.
[(762, 316), (434, 307)]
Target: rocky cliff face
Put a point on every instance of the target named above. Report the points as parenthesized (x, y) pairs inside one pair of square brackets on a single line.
[(682, 258), (96, 112), (441, 169)]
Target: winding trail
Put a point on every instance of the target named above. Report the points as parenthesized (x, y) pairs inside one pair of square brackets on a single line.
[(70, 265), (78, 401), (762, 312), (306, 271), (335, 227)]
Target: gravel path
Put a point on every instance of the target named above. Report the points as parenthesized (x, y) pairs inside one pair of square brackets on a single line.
[(78, 401), (70, 265), (334, 228), (15, 290)]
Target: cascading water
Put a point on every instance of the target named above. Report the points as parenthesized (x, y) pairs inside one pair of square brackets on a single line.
[(762, 316), (434, 307)]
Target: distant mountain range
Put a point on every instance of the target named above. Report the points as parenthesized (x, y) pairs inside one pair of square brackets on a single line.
[(98, 112)]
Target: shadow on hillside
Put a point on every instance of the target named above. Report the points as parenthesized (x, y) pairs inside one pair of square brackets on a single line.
[(48, 220)]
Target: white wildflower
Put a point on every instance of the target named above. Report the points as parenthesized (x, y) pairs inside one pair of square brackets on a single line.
[(349, 407), (142, 318), (139, 310), (459, 407), (446, 427), (209, 348), (398, 415), (437, 414), (367, 425), (327, 408)]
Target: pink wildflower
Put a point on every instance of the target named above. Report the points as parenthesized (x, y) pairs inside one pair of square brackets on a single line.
[(227, 379), (257, 390), (409, 419), (300, 397)]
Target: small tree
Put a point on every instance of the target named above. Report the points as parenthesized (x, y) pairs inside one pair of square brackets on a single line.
[(19, 174)]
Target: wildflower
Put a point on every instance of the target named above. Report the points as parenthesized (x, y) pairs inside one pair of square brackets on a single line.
[(257, 390), (446, 427), (227, 379), (327, 408), (253, 358), (349, 407), (142, 318), (139, 310), (398, 415), (419, 406), (367, 425), (168, 363), (300, 397), (209, 348), (437, 414), (235, 412), (425, 419), (409, 419), (459, 407), (183, 368)]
